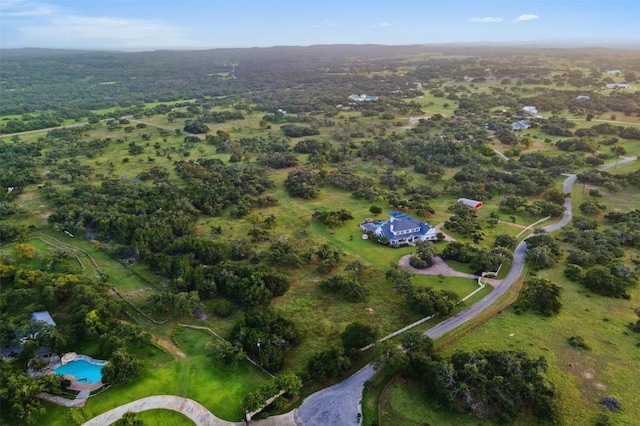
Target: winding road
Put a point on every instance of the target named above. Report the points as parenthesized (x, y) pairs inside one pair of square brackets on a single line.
[(195, 411), (340, 404), (335, 405)]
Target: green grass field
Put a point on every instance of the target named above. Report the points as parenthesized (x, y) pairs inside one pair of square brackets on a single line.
[(403, 403), (218, 387), (582, 377), (321, 317), (163, 417)]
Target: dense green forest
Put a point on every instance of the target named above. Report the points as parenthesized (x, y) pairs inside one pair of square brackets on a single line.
[(224, 188)]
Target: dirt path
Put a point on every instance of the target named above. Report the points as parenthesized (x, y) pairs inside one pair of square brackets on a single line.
[(413, 121), (171, 348)]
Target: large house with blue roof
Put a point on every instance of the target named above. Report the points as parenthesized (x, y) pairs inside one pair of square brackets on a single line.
[(400, 229)]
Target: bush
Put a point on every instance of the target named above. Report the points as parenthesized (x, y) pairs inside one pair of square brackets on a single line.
[(573, 272), (328, 364), (122, 367), (418, 263), (223, 308), (578, 342), (347, 287), (358, 335), (611, 403), (542, 296)]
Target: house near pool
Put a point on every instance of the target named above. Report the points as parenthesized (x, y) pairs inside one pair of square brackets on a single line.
[(400, 229), (13, 348)]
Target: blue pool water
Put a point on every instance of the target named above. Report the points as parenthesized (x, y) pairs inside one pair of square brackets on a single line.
[(84, 371)]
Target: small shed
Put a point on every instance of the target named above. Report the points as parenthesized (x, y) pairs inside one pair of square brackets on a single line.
[(470, 203)]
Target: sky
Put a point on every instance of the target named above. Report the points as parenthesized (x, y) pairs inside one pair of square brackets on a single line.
[(203, 24)]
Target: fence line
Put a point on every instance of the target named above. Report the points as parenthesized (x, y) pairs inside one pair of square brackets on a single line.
[(395, 333), (532, 225), (198, 327), (136, 308)]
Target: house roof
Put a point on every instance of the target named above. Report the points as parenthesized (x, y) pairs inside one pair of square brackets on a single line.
[(363, 97), (404, 224), (618, 86), (471, 203), (521, 125), (43, 316), (398, 224)]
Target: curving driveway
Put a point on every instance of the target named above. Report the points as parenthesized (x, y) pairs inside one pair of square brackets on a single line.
[(197, 413), (340, 404), (335, 405)]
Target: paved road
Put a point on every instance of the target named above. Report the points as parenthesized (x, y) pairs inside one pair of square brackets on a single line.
[(440, 267), (340, 404), (605, 121), (28, 132), (337, 405), (84, 123), (196, 412)]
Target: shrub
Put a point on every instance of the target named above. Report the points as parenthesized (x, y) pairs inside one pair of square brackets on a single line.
[(578, 342), (611, 403), (418, 263), (223, 308)]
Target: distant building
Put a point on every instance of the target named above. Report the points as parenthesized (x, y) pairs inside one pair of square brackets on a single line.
[(614, 72), (520, 125), (618, 86), (362, 98), (531, 110), (582, 98)]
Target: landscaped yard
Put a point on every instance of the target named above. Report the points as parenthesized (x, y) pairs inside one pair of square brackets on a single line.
[(218, 387)]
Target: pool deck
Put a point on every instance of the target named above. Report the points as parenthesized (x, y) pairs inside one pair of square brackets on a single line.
[(79, 402), (76, 385)]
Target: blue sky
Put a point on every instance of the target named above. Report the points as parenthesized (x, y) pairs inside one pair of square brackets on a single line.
[(199, 24)]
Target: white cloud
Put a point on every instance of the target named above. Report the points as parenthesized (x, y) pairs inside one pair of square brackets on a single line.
[(523, 18), (122, 32), (9, 8), (487, 19), (380, 25), (52, 26)]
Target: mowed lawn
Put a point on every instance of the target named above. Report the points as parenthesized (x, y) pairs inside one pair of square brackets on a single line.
[(218, 387), (163, 418), (582, 377)]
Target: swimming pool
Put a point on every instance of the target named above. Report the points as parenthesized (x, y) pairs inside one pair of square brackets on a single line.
[(84, 371)]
